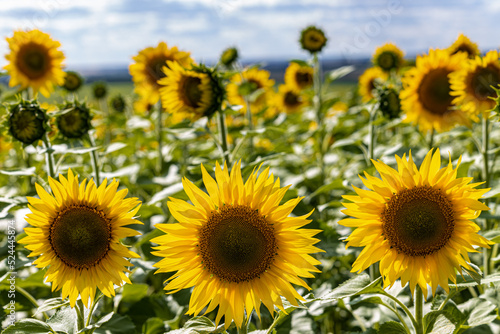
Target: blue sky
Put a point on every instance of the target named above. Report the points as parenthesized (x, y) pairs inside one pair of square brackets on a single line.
[(110, 32)]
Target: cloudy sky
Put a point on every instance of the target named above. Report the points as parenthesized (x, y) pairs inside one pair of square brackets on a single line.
[(110, 32)]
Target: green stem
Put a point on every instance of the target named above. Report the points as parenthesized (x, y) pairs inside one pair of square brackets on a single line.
[(31, 299), (223, 137), (403, 306), (159, 166), (371, 129), (250, 127), (281, 316), (419, 305), (395, 311), (486, 179), (317, 90), (95, 160), (92, 308), (48, 156), (431, 139)]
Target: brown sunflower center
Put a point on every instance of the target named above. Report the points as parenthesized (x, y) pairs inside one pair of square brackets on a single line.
[(190, 91), (434, 91), (465, 48), (80, 236), (291, 99), (154, 69), (304, 79), (26, 125), (33, 60), (237, 244), (387, 60), (75, 123), (418, 221), (483, 79)]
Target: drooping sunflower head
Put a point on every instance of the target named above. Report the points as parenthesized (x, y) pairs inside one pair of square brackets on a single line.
[(74, 121), (148, 65), (34, 61), (252, 85), (289, 100), (369, 80), (389, 102), (473, 85), (312, 39), (190, 93), (118, 103), (426, 96), (236, 245), (416, 222), (299, 76), (464, 44), (72, 81), (229, 56), (26, 122), (76, 234), (388, 57), (100, 90)]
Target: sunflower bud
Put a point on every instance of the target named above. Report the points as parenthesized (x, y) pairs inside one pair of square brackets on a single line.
[(389, 102), (312, 39), (100, 90), (72, 81), (27, 122), (229, 56), (118, 103), (74, 122)]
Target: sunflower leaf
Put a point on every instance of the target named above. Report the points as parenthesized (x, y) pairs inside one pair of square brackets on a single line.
[(392, 327), (356, 286), (64, 320), (51, 304), (28, 326)]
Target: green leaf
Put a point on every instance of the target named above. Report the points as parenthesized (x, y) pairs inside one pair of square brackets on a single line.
[(134, 292), (493, 235), (19, 172), (442, 325), (478, 312), (28, 326), (340, 72), (112, 323), (356, 286), (336, 184), (64, 320), (153, 326), (199, 325), (438, 321), (51, 304), (113, 147), (392, 327)]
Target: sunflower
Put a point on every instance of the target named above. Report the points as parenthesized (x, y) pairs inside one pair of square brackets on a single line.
[(147, 69), (74, 122), (426, 98), (312, 39), (289, 100), (416, 222), (299, 76), (237, 246), (388, 57), (35, 61), (368, 80), (118, 103), (472, 84), (99, 90), (76, 232), (253, 84), (190, 93), (72, 81), (389, 101), (229, 56), (27, 122), (464, 44)]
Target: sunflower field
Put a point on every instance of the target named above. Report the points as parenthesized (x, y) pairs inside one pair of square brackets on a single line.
[(214, 199)]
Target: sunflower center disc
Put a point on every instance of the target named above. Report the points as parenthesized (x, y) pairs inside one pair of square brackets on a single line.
[(154, 69), (418, 221), (434, 92), (237, 244), (80, 236), (191, 92), (482, 80), (32, 61), (303, 79), (387, 61), (291, 99)]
